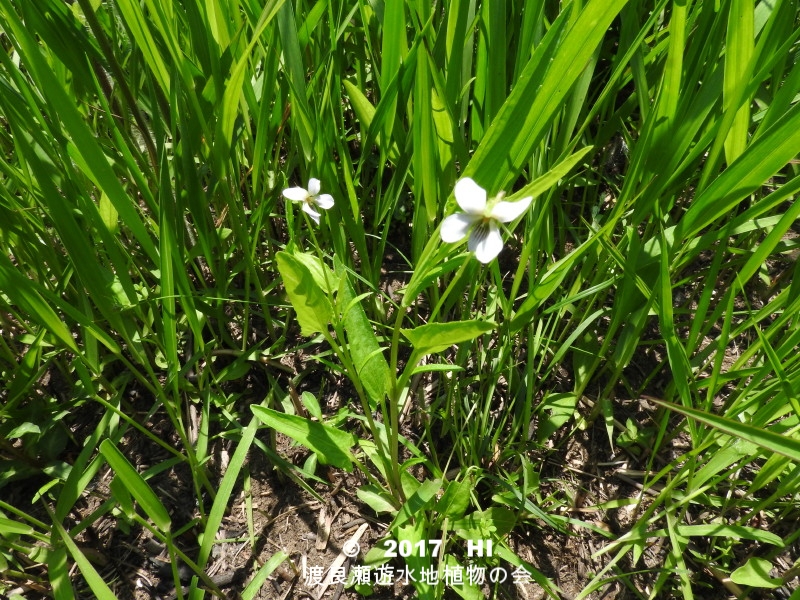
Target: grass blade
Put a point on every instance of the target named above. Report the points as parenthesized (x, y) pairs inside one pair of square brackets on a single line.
[(774, 442), (136, 485)]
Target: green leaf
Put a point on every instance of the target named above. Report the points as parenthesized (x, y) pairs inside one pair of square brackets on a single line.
[(361, 105), (415, 533), (233, 87), (775, 442), (738, 71), (9, 527), (755, 573), (376, 499), (123, 497), (525, 117), (393, 51), (322, 274), (736, 532), (58, 573), (417, 501), (488, 524), (435, 337), (137, 23), (769, 153), (22, 429), (373, 370), (294, 71), (24, 293), (96, 583), (466, 589), (259, 578), (222, 500), (312, 405), (330, 444), (560, 407), (552, 177), (309, 301), (455, 500), (136, 485)]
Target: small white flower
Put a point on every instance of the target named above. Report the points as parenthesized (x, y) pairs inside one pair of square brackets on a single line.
[(481, 219), (311, 198)]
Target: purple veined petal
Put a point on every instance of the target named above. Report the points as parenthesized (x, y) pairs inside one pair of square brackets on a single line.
[(324, 201), (485, 241), (455, 227), (313, 186), (470, 196), (311, 212), (295, 194), (505, 212)]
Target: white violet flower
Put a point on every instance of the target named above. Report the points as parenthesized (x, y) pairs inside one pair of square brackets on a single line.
[(480, 220), (311, 198)]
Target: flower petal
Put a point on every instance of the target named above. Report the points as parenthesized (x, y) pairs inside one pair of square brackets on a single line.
[(311, 212), (455, 227), (470, 196), (324, 201), (313, 186), (486, 241), (506, 212), (296, 194)]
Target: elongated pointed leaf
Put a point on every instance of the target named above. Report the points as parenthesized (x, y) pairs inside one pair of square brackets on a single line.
[(435, 337), (136, 485), (23, 292), (98, 586), (223, 497), (331, 445), (762, 159), (260, 578), (769, 440), (373, 370), (525, 116), (88, 151)]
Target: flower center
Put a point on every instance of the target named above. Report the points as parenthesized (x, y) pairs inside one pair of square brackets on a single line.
[(481, 230)]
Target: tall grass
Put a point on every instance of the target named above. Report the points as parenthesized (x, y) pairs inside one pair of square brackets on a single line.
[(146, 247)]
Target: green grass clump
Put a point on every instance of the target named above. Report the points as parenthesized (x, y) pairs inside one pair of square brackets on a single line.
[(157, 266)]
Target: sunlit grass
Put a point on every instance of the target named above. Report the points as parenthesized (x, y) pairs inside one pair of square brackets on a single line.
[(156, 250)]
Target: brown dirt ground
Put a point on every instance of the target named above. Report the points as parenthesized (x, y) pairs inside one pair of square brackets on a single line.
[(286, 518)]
